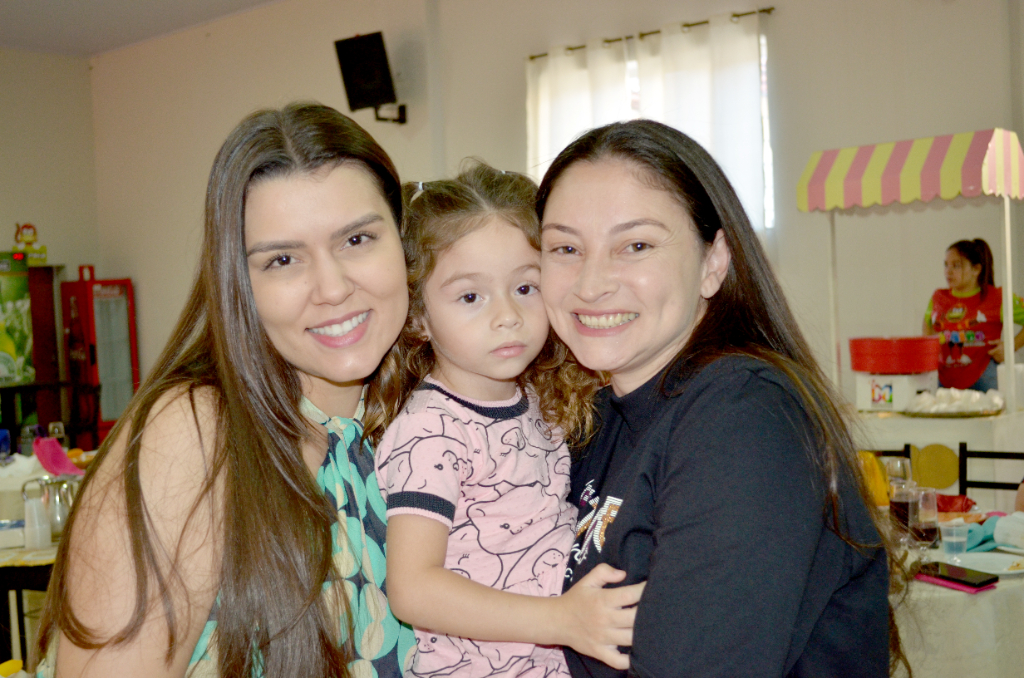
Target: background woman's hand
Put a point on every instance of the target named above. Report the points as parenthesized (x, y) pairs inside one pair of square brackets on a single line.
[(997, 350), (597, 620)]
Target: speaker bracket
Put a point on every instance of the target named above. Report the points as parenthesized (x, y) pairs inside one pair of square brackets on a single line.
[(400, 115)]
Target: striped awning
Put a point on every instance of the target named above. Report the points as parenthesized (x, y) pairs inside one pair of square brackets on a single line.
[(988, 162)]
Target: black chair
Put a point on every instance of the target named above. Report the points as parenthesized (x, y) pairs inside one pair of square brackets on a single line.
[(905, 452), (966, 454)]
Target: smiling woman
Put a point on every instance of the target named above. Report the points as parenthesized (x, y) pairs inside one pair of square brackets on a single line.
[(231, 524), (723, 473)]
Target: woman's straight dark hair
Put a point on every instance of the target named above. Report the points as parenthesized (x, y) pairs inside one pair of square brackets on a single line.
[(749, 314), (978, 253), (277, 550)]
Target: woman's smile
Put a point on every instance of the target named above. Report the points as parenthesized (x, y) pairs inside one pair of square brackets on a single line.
[(340, 332), (605, 321)]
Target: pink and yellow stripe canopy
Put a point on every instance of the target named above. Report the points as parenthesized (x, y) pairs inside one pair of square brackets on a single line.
[(986, 162)]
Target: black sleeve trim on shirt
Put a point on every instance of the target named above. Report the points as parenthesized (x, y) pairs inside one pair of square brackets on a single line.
[(423, 501)]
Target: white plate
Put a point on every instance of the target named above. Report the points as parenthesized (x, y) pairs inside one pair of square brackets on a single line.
[(1011, 549), (989, 562)]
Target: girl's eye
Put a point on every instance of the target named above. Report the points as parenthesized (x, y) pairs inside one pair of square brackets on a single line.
[(527, 289), (469, 297), (278, 261), (638, 247), (564, 249)]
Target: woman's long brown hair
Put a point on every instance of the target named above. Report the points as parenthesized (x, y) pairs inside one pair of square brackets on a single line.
[(749, 314), (277, 551), (437, 214)]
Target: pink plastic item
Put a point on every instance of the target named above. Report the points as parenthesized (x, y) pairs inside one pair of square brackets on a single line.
[(951, 584), (52, 457)]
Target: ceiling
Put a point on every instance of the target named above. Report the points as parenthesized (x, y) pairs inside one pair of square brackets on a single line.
[(88, 27)]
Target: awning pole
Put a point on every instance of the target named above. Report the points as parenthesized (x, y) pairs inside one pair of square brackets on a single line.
[(1009, 360), (833, 286)]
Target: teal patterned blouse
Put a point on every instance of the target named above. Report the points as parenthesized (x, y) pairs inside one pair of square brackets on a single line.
[(383, 645)]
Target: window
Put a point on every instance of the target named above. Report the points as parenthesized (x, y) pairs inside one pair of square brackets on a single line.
[(707, 80)]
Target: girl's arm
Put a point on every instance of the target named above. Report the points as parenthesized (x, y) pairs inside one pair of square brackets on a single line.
[(589, 618), (101, 574)]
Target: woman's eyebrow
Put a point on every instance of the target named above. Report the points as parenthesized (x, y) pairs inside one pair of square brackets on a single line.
[(618, 228), (340, 234), (361, 222)]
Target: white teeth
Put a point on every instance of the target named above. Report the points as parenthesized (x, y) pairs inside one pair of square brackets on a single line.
[(603, 322), (341, 328)]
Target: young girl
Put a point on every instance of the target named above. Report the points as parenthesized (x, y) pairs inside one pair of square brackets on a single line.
[(474, 475), (969, 316)]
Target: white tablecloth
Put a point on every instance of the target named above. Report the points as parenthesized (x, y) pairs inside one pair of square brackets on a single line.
[(952, 634)]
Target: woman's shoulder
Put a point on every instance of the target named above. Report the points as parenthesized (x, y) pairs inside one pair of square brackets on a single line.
[(178, 436), (735, 373)]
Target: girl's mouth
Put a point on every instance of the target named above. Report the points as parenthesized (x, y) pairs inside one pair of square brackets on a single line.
[(509, 350)]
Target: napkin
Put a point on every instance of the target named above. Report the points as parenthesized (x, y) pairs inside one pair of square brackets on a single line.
[(979, 535), (51, 455), (953, 503), (1009, 530)]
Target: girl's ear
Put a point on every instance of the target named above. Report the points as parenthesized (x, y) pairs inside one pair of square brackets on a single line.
[(716, 266)]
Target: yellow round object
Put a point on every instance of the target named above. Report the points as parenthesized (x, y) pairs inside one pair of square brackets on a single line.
[(75, 452), (10, 667), (935, 466)]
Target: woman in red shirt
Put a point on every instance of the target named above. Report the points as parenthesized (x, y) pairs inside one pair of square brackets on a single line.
[(968, 316)]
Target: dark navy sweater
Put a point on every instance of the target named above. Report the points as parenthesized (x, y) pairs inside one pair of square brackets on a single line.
[(712, 496)]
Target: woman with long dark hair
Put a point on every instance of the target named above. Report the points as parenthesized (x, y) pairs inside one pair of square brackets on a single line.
[(231, 524), (968, 316), (724, 472)]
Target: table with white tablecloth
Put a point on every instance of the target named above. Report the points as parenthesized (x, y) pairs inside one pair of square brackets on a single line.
[(951, 634)]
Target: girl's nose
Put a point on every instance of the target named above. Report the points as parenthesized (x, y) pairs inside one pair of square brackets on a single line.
[(507, 314)]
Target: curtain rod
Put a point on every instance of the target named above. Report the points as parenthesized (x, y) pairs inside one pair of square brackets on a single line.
[(736, 16)]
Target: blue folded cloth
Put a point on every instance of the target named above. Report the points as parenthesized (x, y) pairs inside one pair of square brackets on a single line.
[(980, 536)]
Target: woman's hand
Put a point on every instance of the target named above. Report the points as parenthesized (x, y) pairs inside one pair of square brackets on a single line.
[(597, 620)]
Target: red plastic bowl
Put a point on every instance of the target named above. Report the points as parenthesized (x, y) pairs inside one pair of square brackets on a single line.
[(894, 355)]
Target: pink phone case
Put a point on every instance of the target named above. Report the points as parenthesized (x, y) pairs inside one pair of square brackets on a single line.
[(952, 584)]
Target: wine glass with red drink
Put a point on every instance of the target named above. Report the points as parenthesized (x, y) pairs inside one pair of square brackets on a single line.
[(923, 521)]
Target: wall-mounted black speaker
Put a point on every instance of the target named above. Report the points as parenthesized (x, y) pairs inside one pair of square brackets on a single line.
[(365, 71)]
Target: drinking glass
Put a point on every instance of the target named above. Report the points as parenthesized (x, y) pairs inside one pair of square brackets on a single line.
[(902, 493), (954, 540), (923, 520), (898, 468)]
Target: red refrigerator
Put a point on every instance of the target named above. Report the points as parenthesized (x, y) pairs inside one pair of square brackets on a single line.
[(100, 341)]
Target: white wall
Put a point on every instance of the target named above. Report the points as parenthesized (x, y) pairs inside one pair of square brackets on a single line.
[(840, 73), (163, 107), (47, 163)]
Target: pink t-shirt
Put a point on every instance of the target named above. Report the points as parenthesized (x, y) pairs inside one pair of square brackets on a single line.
[(492, 473)]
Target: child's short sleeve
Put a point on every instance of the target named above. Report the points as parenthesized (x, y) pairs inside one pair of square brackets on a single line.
[(420, 463)]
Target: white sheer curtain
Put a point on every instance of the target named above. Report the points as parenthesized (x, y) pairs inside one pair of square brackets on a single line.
[(705, 81)]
